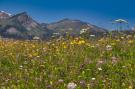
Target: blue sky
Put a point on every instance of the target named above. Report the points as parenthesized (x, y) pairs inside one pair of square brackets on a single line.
[(98, 12)]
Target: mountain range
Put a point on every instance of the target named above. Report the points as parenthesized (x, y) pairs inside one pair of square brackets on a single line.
[(22, 26)]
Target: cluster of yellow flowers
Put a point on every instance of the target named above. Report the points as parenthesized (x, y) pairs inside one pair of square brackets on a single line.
[(78, 41)]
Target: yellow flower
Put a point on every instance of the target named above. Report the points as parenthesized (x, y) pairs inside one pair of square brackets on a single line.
[(130, 41), (88, 44), (51, 82), (64, 46), (33, 46), (122, 37), (30, 55), (113, 44), (118, 40), (130, 87), (71, 43), (81, 42)]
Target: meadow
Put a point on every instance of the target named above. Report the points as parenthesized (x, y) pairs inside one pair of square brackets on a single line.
[(72, 63)]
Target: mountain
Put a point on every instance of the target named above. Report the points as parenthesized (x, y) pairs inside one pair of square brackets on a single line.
[(4, 15), (21, 26), (74, 27)]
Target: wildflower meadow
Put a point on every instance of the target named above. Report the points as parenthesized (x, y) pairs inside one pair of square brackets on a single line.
[(73, 63)]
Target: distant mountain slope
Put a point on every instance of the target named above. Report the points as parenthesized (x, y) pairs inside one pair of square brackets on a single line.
[(73, 27)]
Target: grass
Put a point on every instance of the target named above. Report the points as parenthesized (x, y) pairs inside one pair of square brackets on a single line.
[(106, 63)]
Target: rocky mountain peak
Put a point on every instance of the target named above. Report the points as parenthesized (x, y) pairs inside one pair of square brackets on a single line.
[(4, 15)]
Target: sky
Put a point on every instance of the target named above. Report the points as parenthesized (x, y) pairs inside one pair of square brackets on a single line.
[(97, 12)]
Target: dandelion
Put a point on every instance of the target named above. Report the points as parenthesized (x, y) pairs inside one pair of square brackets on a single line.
[(71, 43), (81, 42), (65, 46), (71, 85)]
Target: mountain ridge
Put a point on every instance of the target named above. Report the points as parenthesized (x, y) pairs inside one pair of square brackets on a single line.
[(24, 26)]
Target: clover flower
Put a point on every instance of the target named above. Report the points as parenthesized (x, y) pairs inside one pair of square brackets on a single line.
[(71, 85)]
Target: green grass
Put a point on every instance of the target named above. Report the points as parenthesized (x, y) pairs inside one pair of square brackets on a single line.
[(55, 64)]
